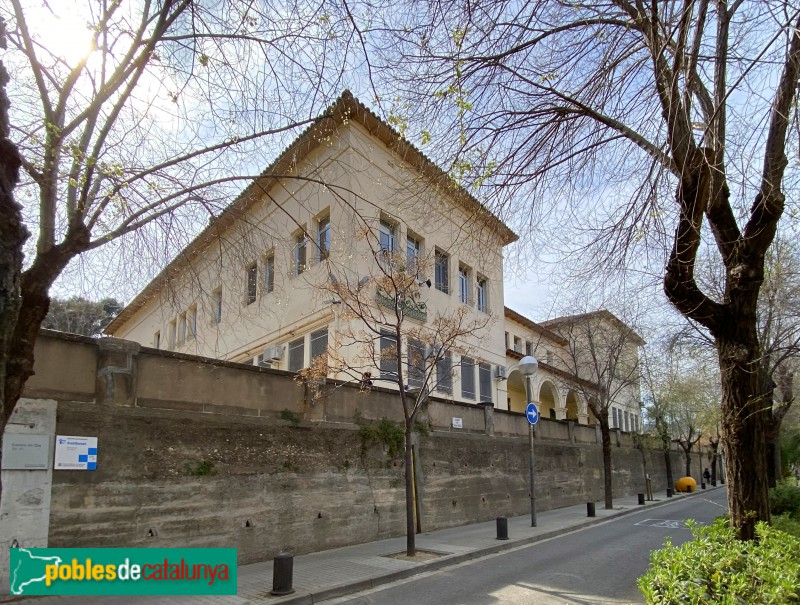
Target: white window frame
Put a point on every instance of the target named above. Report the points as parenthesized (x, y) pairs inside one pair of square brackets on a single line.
[(482, 294), (324, 237), (413, 251), (442, 271), (269, 272), (464, 294), (191, 323), (181, 329), (251, 284), (300, 253)]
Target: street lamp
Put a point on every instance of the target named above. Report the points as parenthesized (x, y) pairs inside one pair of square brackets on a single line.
[(528, 366)]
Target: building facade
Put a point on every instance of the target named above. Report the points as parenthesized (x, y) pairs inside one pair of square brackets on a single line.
[(272, 280)]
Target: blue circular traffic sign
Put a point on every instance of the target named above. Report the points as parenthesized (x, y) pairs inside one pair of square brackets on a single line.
[(532, 412)]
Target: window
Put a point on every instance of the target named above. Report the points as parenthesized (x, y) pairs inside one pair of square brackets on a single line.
[(319, 344), (416, 364), (171, 336), (388, 361), (217, 301), (549, 358), (299, 253), (297, 354), (387, 237), (485, 380), (413, 252), (444, 374), (181, 329), (157, 340), (252, 284), (442, 268), (269, 272), (507, 339), (191, 323), (467, 378), (463, 285), (482, 295), (324, 237), (614, 423), (627, 422), (518, 344), (528, 348)]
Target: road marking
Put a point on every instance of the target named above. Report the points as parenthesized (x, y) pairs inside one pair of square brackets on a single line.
[(668, 523)]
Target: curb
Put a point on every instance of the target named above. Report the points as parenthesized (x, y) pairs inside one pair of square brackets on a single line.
[(310, 598)]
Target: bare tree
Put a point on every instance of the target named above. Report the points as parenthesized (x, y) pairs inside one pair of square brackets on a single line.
[(778, 321), (655, 376), (386, 334), (621, 103), (140, 136), (603, 351)]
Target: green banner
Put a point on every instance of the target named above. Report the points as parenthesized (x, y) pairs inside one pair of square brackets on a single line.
[(123, 571)]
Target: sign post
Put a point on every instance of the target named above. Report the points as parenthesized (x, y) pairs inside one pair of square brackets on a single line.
[(532, 413)]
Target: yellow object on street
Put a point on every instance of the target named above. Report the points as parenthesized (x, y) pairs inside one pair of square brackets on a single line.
[(685, 484)]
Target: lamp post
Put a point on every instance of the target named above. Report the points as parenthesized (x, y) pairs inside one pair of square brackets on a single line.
[(528, 366)]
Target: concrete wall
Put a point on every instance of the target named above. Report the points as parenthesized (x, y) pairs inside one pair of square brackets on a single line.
[(199, 452)]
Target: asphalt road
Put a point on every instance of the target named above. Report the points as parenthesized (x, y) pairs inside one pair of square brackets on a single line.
[(599, 564)]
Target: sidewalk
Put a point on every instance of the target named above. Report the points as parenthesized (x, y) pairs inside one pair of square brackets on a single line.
[(341, 571)]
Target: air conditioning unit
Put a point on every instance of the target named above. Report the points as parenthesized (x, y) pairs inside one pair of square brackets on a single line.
[(274, 352), (500, 372)]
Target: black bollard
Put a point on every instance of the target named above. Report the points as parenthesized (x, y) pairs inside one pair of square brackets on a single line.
[(669, 492), (641, 499), (703, 485), (502, 528), (590, 509), (282, 571)]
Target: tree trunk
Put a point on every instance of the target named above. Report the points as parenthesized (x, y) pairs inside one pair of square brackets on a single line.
[(411, 536), (607, 484), (668, 466), (12, 238), (745, 415), (688, 453)]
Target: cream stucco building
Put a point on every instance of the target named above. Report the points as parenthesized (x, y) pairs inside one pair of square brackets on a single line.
[(255, 285)]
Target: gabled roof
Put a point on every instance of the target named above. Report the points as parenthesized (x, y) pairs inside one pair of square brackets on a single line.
[(602, 314), (345, 109), (532, 325)]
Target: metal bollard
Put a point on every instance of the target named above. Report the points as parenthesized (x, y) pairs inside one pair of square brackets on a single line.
[(502, 528), (703, 485), (282, 571), (641, 499), (669, 492), (590, 509)]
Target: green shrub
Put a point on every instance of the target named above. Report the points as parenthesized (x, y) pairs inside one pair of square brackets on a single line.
[(202, 468), (785, 499), (787, 524), (386, 432), (715, 567), (290, 416)]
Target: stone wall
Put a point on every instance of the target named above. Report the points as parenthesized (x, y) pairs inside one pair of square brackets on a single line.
[(198, 452)]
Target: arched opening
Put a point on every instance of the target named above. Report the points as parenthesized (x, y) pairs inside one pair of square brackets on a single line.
[(572, 406), (548, 400), (517, 398)]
